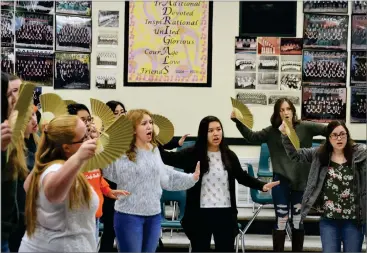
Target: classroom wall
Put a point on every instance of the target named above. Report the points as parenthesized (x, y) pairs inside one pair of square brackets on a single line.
[(185, 107)]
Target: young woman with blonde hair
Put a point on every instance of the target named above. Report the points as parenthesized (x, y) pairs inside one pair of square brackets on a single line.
[(141, 172), (61, 205), (29, 145)]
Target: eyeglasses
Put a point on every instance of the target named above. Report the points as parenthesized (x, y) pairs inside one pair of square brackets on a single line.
[(342, 135)]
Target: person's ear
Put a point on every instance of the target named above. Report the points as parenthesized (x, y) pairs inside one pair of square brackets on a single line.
[(66, 148)]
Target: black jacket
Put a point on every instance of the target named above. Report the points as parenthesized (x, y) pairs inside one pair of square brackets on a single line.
[(186, 159), (9, 208)]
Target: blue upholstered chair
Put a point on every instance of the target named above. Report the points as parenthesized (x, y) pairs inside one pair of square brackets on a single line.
[(264, 170)]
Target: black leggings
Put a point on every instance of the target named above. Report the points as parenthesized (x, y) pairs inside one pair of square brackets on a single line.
[(217, 222)]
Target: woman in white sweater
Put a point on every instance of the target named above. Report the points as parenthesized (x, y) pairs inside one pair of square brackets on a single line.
[(61, 205), (142, 173)]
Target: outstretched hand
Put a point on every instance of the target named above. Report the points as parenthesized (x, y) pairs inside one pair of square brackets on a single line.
[(197, 172), (270, 185), (114, 194)]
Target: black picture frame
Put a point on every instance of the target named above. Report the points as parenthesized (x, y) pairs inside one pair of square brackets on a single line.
[(60, 84), (208, 83)]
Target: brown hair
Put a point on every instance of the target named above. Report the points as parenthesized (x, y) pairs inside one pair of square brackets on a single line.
[(275, 119), (60, 130), (325, 150), (135, 116)]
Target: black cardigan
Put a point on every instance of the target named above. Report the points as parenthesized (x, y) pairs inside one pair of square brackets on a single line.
[(186, 159)]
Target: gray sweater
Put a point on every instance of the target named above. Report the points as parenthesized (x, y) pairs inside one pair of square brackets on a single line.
[(145, 179)]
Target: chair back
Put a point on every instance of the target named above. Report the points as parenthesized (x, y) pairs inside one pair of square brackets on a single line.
[(176, 196), (186, 144), (251, 172), (264, 157), (315, 144)]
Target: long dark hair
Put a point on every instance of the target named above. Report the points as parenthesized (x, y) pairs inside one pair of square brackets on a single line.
[(326, 148), (201, 145), (113, 104), (275, 119), (73, 109), (4, 96)]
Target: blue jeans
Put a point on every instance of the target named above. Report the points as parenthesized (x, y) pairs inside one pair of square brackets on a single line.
[(135, 233), (334, 232), (4, 246), (283, 198)]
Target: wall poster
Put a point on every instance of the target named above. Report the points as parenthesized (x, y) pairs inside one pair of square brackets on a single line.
[(168, 43)]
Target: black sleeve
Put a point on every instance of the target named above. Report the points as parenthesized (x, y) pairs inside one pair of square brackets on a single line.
[(183, 159), (3, 160), (171, 145), (242, 176)]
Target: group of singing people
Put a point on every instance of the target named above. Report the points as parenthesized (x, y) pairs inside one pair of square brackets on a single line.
[(49, 205)]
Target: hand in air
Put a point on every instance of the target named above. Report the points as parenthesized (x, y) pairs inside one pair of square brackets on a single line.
[(181, 141), (87, 150), (93, 132), (114, 194), (233, 115), (270, 185), (5, 135), (283, 128), (197, 172)]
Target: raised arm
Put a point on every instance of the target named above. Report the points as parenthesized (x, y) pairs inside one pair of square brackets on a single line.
[(257, 137), (183, 159), (316, 128), (171, 145), (303, 155), (57, 184)]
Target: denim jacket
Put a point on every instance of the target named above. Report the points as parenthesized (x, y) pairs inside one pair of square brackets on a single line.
[(318, 173)]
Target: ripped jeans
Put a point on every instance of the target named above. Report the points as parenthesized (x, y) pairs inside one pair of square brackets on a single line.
[(285, 198)]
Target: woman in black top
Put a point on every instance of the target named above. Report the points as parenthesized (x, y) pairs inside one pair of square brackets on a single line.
[(211, 203)]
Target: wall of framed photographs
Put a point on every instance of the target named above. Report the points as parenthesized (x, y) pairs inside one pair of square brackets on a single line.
[(313, 71), (48, 42), (101, 65)]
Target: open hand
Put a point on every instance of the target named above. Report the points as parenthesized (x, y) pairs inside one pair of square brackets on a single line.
[(270, 185), (5, 135), (114, 194), (197, 172), (181, 141)]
